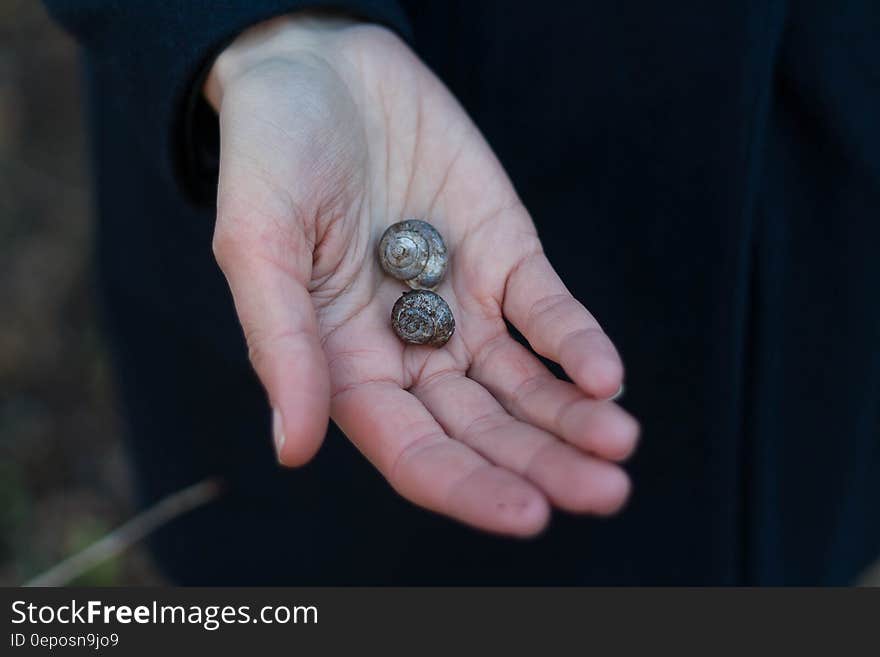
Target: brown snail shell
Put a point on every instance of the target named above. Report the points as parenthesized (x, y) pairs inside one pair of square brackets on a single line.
[(422, 317), (414, 252)]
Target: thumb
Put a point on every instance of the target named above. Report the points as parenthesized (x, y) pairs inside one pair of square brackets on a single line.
[(267, 263)]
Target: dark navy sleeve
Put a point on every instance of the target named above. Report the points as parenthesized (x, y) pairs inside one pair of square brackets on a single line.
[(158, 53)]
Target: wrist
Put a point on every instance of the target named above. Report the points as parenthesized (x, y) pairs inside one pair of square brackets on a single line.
[(282, 38)]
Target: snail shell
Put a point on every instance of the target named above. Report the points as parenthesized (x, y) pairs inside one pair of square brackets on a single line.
[(422, 317), (413, 251)]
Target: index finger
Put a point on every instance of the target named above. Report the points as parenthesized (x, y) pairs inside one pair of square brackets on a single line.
[(558, 326)]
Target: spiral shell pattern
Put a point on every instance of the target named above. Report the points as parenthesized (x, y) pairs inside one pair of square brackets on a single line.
[(414, 252), (422, 317)]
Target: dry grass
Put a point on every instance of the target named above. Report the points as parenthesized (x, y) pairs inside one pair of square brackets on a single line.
[(63, 478)]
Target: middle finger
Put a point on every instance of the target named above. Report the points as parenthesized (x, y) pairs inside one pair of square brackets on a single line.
[(571, 479)]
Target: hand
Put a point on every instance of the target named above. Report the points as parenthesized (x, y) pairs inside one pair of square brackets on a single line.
[(330, 132)]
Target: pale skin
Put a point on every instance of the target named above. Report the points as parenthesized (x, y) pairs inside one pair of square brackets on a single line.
[(332, 130)]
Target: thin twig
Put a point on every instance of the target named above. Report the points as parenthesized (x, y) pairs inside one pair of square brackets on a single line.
[(126, 535)]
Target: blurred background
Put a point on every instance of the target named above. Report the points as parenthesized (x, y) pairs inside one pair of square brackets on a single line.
[(64, 481), (63, 477)]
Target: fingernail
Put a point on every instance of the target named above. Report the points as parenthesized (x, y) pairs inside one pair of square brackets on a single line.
[(617, 395), (278, 430)]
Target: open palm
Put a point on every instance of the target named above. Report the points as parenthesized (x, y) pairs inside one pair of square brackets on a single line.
[(330, 132)]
